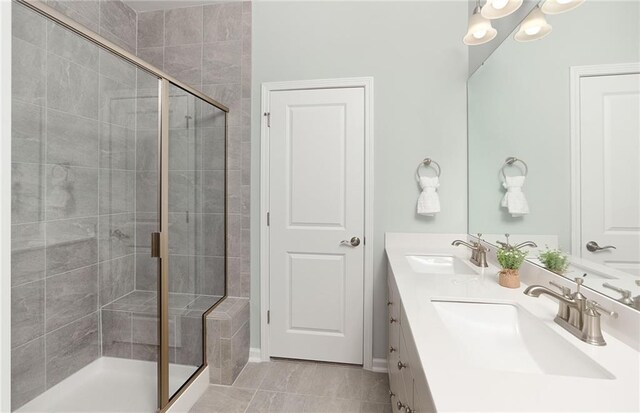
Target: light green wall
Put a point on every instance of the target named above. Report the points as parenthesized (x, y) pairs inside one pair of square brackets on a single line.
[(519, 105), (415, 53)]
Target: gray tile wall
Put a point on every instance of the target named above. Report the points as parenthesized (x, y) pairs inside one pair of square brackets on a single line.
[(73, 183), (228, 340), (209, 47)]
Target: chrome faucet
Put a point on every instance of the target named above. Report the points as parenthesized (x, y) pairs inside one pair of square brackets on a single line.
[(526, 244), (507, 245), (583, 316), (478, 251)]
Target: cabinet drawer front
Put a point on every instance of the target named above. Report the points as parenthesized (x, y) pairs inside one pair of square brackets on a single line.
[(404, 367), (396, 384), (393, 317), (393, 300)]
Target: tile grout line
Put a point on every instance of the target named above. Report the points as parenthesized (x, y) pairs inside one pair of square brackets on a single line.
[(255, 392)]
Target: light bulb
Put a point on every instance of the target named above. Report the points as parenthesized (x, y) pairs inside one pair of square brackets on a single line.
[(479, 34), (531, 31), (499, 4)]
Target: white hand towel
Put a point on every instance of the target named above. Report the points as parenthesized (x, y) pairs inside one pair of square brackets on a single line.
[(514, 200), (429, 200)]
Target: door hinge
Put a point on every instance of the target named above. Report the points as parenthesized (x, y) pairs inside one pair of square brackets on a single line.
[(268, 115), (268, 219), (268, 316)]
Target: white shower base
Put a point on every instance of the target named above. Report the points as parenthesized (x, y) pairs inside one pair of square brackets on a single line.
[(109, 385)]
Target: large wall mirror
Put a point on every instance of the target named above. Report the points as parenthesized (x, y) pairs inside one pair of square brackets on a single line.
[(554, 124)]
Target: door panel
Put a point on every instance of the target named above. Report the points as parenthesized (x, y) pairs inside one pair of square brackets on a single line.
[(316, 143), (317, 279), (196, 231), (610, 165), (317, 165)]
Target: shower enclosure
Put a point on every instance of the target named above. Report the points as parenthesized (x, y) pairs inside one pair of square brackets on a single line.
[(118, 221)]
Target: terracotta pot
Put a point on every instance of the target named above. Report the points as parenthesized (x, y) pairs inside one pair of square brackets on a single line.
[(509, 278)]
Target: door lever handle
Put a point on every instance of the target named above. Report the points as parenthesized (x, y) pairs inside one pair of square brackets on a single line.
[(353, 242), (593, 246)]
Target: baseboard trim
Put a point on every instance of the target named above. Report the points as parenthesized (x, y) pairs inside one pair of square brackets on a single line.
[(255, 355), (379, 366)]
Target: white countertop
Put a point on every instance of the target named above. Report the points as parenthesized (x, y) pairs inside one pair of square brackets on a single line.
[(459, 386)]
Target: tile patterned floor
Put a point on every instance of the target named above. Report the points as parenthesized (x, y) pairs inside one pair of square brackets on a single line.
[(285, 386)]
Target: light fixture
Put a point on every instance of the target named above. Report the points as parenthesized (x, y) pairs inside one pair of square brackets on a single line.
[(495, 9), (480, 29), (534, 27), (560, 6)]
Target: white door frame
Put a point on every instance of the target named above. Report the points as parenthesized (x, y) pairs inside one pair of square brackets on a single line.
[(267, 88), (578, 72)]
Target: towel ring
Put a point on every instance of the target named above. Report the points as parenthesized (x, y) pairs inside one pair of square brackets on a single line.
[(426, 163), (510, 161)]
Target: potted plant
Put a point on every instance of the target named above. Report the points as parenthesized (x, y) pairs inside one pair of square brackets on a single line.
[(510, 260), (554, 260)]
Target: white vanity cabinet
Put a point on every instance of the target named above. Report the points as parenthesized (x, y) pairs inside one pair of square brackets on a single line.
[(409, 390)]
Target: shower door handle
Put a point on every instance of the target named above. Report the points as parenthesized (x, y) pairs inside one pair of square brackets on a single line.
[(155, 245)]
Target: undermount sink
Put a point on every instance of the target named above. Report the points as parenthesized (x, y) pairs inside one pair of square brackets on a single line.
[(506, 337), (438, 264)]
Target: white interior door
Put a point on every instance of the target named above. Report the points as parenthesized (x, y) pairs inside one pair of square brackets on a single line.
[(610, 169), (316, 200)]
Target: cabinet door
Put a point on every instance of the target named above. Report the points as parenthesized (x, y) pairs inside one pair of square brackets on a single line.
[(422, 400)]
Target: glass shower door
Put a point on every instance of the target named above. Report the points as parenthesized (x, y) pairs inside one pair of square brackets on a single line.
[(196, 228)]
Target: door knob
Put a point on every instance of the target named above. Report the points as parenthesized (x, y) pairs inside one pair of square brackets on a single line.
[(593, 246), (353, 242)]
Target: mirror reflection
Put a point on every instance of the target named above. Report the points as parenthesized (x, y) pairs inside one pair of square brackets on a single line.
[(554, 147)]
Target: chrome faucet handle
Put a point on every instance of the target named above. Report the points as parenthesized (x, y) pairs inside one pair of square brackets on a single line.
[(576, 316), (563, 309), (593, 305), (566, 291), (591, 329), (626, 294)]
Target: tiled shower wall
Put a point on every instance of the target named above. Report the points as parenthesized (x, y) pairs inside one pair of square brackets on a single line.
[(209, 48), (72, 189)]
